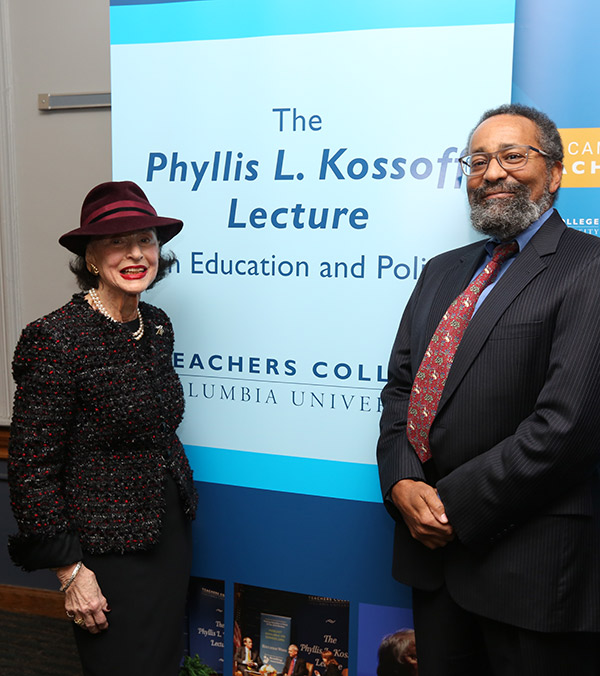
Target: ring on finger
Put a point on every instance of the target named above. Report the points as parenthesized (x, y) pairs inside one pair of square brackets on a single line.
[(80, 622), (70, 615)]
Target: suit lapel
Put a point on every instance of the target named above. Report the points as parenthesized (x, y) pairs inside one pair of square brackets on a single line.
[(528, 264)]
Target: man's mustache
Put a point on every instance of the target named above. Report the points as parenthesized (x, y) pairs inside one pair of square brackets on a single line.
[(483, 191)]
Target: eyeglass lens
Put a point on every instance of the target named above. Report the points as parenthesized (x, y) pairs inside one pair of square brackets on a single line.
[(513, 158)]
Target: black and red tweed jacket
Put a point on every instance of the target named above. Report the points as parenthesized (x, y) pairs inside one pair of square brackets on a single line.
[(93, 436)]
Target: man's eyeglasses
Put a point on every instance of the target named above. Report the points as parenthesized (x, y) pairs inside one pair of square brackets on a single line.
[(510, 158)]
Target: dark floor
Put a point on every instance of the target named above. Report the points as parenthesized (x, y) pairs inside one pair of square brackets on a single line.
[(31, 645)]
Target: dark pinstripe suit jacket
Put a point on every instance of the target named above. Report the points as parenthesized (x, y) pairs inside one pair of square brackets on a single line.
[(516, 441)]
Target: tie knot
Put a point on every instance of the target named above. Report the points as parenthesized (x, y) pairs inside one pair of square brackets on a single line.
[(504, 251)]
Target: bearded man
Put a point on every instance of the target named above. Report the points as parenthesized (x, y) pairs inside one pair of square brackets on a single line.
[(490, 432)]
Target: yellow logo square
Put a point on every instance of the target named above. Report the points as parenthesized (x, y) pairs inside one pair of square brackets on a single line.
[(582, 157)]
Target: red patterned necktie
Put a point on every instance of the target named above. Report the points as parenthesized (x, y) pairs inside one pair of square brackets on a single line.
[(432, 374)]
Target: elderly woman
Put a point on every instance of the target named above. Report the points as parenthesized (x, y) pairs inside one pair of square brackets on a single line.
[(100, 485)]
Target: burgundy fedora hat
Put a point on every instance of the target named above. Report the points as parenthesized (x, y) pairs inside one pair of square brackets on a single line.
[(113, 208)]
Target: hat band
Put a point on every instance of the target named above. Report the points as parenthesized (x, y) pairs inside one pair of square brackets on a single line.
[(118, 210)]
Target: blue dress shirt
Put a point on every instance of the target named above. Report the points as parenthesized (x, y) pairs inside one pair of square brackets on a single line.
[(521, 239)]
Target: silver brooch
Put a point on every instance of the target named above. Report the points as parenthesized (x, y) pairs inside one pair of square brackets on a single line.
[(159, 330)]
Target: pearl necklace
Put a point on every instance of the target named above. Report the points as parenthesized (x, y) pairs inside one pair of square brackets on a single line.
[(136, 335)]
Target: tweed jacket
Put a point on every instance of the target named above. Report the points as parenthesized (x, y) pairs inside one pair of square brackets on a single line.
[(93, 436)]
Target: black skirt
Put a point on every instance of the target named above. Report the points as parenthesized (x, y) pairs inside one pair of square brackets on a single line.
[(146, 592)]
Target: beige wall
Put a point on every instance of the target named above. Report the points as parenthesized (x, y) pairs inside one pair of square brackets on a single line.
[(54, 158)]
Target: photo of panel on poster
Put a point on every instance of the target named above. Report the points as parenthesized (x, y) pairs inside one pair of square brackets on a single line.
[(273, 620)]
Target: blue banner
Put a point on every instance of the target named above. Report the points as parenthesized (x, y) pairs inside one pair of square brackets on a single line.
[(561, 88), (311, 150), (206, 611), (275, 633)]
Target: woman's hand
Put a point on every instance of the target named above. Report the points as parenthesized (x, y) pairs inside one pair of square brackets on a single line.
[(84, 600)]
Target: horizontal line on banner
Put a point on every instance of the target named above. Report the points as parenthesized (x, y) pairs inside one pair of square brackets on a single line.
[(228, 19), (115, 3), (289, 474), (291, 383)]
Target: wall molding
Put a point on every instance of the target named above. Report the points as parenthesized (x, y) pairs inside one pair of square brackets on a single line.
[(10, 293)]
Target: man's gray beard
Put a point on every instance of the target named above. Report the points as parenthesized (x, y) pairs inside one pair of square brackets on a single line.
[(505, 218)]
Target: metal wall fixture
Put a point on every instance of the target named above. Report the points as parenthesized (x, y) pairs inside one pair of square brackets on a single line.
[(73, 101)]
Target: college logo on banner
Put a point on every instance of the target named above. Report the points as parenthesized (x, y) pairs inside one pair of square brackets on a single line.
[(582, 157)]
